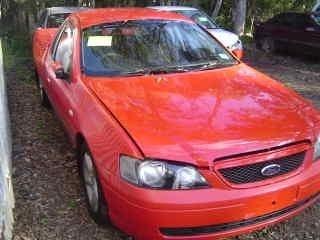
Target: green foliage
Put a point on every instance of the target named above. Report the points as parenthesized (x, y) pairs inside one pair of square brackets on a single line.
[(17, 51)]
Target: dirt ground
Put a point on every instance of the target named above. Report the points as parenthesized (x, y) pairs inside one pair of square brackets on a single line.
[(49, 199)]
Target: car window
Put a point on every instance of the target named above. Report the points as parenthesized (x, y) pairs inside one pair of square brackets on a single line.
[(133, 46), (301, 21), (54, 21), (199, 17), (42, 19), (64, 48), (289, 20), (276, 19)]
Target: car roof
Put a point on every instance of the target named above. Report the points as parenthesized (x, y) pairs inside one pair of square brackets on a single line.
[(62, 10), (291, 14), (174, 8), (109, 15)]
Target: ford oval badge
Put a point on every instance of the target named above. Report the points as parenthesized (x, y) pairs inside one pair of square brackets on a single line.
[(271, 170)]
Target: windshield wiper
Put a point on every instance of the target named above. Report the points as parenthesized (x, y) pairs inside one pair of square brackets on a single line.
[(154, 71), (177, 69), (137, 72), (214, 65)]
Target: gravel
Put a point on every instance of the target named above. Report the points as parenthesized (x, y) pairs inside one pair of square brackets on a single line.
[(49, 199)]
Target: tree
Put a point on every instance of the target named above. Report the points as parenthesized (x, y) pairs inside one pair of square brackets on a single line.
[(87, 3), (239, 14), (215, 8)]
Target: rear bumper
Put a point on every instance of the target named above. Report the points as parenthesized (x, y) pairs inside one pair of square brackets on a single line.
[(209, 213)]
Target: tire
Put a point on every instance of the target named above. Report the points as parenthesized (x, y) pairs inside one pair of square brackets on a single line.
[(267, 45), (44, 100), (36, 78), (96, 204)]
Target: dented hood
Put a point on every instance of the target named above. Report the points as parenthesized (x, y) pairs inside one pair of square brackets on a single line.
[(199, 116)]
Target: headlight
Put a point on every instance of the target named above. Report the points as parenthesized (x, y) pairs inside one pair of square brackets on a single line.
[(160, 174), (236, 46), (317, 149)]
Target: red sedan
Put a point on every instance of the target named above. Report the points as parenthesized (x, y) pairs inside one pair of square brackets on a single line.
[(176, 137)]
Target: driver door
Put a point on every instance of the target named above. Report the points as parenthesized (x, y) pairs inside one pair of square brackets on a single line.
[(60, 89)]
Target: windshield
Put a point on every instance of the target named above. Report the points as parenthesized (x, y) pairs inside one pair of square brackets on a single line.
[(150, 47), (54, 21), (199, 17)]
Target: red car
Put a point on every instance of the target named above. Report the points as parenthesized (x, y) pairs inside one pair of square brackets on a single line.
[(176, 137)]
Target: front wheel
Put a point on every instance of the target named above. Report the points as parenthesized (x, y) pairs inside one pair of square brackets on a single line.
[(96, 203)]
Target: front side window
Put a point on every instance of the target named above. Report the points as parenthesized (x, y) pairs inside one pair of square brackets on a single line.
[(64, 48), (150, 46)]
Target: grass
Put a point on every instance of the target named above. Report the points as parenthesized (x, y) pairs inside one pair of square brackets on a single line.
[(17, 55)]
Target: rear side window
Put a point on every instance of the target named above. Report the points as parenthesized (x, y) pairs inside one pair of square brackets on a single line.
[(54, 21)]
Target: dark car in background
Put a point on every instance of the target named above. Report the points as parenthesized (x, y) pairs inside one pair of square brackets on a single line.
[(293, 32)]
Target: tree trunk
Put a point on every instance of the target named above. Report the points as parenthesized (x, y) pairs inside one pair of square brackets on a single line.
[(87, 3), (216, 6), (239, 12)]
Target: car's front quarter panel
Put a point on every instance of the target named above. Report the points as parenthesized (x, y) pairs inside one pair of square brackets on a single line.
[(102, 132)]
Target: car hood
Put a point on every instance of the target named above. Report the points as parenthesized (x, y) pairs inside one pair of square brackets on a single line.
[(228, 39), (196, 117)]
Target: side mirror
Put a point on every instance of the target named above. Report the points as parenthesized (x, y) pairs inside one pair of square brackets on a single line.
[(59, 71), (238, 53)]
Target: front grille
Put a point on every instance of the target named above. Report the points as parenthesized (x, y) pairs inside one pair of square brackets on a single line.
[(253, 172), (193, 231)]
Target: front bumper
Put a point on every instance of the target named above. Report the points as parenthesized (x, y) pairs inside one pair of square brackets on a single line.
[(209, 213)]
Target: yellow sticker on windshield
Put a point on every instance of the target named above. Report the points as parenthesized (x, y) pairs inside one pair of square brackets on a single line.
[(99, 41)]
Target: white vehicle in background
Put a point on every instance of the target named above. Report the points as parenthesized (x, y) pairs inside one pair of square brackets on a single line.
[(228, 39)]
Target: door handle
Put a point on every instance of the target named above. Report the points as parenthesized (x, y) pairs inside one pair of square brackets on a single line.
[(70, 113)]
